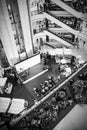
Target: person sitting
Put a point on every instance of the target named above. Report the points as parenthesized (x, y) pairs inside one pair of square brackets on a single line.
[(41, 85), (46, 83), (46, 88), (43, 91), (50, 81), (50, 86), (36, 90)]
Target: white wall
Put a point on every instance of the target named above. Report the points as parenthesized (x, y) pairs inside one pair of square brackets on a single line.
[(24, 65), (6, 34), (25, 22)]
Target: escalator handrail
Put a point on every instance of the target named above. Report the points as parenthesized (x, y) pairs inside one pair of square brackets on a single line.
[(49, 45)]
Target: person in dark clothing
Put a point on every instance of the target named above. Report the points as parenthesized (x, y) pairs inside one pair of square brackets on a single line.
[(73, 60)]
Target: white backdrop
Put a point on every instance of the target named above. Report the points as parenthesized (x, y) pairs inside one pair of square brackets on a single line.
[(28, 63)]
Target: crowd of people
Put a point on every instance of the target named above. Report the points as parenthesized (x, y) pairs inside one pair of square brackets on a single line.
[(5, 119), (45, 87), (48, 113), (74, 92), (78, 88), (44, 116)]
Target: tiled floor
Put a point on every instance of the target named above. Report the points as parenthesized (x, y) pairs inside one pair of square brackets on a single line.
[(81, 51), (76, 119)]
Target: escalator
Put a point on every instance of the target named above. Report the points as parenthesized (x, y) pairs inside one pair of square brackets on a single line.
[(64, 37), (58, 38), (70, 10), (58, 22)]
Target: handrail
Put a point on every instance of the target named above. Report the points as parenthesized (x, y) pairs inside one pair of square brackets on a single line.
[(49, 45)]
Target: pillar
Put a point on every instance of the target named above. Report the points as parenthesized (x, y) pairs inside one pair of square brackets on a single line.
[(6, 34), (23, 11)]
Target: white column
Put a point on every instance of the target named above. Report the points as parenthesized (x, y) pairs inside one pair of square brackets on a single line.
[(6, 34), (22, 4)]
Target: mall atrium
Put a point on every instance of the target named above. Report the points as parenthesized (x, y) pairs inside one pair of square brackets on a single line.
[(43, 64)]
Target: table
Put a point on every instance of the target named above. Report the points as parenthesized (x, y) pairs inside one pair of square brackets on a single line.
[(17, 106), (4, 104)]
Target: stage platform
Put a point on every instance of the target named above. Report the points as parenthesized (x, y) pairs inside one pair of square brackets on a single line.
[(32, 73), (36, 76)]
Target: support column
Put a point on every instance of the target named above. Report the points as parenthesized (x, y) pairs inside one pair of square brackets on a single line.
[(22, 5), (6, 34)]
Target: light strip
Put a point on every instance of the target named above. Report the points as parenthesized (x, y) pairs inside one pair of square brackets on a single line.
[(35, 76)]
